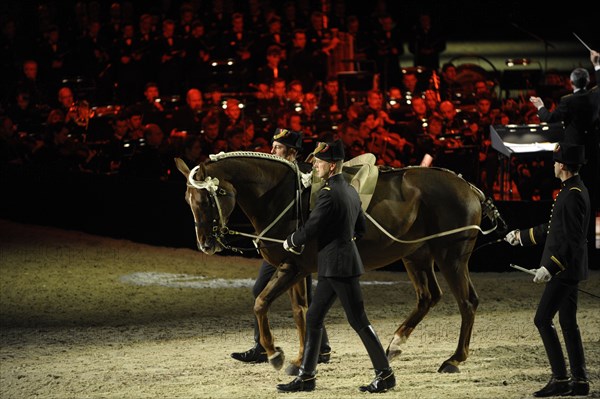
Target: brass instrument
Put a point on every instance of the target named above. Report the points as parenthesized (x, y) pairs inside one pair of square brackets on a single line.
[(80, 113)]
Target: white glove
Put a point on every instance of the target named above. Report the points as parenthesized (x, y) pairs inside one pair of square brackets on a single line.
[(542, 275), (294, 250), (306, 179), (513, 238)]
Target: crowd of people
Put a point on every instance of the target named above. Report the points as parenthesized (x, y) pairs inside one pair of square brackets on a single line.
[(124, 90)]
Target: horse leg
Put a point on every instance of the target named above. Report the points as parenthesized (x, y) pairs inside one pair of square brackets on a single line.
[(420, 272), (299, 300), (284, 277), (455, 269)]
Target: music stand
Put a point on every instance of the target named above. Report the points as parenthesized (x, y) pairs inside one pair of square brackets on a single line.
[(511, 140)]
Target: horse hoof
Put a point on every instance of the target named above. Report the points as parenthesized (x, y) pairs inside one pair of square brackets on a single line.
[(292, 369), (276, 359), (448, 368), (392, 354)]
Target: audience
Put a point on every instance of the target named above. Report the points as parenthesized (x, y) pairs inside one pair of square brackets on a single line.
[(195, 81)]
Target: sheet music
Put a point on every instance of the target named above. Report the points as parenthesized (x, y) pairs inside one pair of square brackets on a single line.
[(530, 147)]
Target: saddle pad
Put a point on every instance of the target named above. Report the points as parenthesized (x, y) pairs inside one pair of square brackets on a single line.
[(363, 174)]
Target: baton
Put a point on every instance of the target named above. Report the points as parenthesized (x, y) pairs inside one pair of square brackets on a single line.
[(523, 269), (582, 42), (533, 274)]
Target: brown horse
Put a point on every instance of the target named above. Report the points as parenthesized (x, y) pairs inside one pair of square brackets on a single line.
[(419, 215)]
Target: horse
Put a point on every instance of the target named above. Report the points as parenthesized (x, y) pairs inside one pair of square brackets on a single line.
[(420, 215)]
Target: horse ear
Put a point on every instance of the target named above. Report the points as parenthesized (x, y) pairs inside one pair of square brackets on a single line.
[(182, 166)]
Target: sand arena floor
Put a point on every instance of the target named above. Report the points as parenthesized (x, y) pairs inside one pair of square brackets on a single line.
[(84, 316)]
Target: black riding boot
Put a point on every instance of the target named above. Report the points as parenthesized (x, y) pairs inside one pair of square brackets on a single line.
[(384, 375), (580, 384), (256, 354), (325, 351), (306, 379)]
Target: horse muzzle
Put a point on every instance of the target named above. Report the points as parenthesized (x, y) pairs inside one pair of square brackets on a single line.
[(210, 246)]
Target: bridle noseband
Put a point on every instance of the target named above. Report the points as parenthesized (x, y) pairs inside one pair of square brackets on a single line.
[(219, 227), (211, 185)]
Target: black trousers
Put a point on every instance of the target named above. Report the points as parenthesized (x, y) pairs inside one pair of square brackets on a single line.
[(347, 289), (560, 296)]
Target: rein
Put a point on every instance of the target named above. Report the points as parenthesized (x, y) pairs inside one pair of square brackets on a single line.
[(487, 208), (432, 236)]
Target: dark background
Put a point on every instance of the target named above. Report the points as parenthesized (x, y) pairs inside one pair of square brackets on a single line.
[(464, 20)]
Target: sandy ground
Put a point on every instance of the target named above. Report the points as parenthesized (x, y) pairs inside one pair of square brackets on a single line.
[(92, 317)]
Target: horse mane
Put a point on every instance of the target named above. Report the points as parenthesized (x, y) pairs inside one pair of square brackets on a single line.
[(253, 154)]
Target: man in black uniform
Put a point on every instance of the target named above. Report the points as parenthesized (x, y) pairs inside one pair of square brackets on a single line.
[(564, 263), (336, 221), (580, 112), (286, 144)]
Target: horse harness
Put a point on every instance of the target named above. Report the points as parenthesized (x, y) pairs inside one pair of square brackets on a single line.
[(219, 228)]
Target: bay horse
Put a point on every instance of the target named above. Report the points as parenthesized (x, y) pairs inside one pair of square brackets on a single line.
[(422, 216)]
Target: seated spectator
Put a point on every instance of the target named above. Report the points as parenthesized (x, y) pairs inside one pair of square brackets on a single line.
[(60, 153), (432, 141), (349, 134), (55, 116), (188, 118), (29, 82), (232, 116), (109, 158), (197, 56), (66, 99), (395, 107), (261, 144), (300, 59), (331, 102), (273, 67), (24, 114), (210, 133), (295, 94), (455, 124), (235, 136), (192, 151), (267, 109), (410, 86), (375, 103), (152, 160), (12, 150), (417, 120), (432, 100), (449, 87), (152, 109), (134, 124)]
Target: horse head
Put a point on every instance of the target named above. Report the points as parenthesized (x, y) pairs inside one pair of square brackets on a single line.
[(211, 201)]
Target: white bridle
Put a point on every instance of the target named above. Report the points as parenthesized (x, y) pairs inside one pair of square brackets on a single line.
[(220, 229)]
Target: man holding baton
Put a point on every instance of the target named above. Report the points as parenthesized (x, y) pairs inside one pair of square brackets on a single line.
[(580, 113), (564, 264)]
